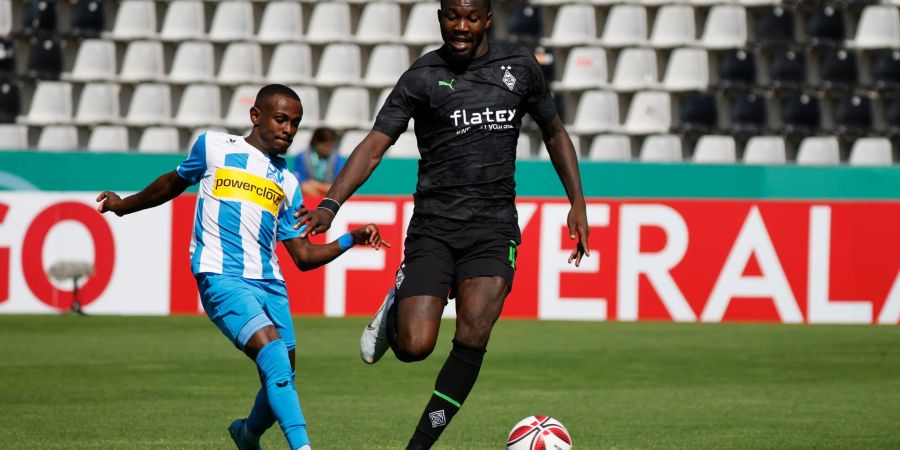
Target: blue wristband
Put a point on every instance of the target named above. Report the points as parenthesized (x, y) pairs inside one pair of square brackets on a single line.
[(346, 242)]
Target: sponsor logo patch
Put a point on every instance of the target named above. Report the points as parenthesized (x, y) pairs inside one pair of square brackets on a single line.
[(240, 185)]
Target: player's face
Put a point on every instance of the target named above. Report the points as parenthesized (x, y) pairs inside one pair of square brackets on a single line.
[(463, 24), (277, 122)]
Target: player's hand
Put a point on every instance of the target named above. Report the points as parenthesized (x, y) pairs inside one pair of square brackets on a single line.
[(316, 221), (578, 228), (369, 235), (109, 201)]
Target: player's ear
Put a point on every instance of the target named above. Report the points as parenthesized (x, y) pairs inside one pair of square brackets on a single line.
[(254, 115), (490, 20)]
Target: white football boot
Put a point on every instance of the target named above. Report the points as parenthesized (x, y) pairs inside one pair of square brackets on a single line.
[(374, 342)]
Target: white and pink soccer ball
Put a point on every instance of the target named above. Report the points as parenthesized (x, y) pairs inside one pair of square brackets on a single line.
[(539, 433)]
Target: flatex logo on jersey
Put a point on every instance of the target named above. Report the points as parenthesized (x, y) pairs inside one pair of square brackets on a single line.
[(236, 184), (487, 118)]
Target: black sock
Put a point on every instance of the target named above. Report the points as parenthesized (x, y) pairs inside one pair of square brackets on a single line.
[(453, 384)]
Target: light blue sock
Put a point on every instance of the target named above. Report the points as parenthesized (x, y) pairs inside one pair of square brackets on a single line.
[(275, 366)]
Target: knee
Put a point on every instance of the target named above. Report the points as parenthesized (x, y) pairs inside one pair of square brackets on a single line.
[(412, 352)]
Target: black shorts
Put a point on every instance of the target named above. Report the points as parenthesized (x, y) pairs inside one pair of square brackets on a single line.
[(439, 253)]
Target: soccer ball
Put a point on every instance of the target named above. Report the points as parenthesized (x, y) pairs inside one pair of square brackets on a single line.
[(539, 433)]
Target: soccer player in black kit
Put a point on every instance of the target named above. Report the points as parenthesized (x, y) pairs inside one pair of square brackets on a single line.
[(468, 99)]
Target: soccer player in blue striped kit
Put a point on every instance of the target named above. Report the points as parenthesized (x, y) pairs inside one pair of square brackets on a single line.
[(246, 203)]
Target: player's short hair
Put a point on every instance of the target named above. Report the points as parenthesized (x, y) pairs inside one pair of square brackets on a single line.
[(271, 91), (487, 4)]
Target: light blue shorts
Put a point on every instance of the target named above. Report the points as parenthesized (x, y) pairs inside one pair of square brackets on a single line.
[(241, 307)]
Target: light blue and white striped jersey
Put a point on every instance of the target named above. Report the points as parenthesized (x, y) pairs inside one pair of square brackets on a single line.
[(245, 204)]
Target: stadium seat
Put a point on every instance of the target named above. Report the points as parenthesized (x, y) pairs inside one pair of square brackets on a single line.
[(801, 114), (232, 21), (238, 115), (10, 102), (201, 105), (749, 114), (7, 58), (309, 98), (348, 108), (349, 140), (339, 64), (878, 27), (597, 112), (826, 26), (193, 63), (45, 60), (610, 147), (290, 63), (379, 23), (688, 69), (143, 62), (96, 60), (649, 112), (765, 150), (386, 63), (585, 68), (99, 103), (422, 25), (135, 19), (330, 22), (525, 24), (774, 26), (635, 70), (575, 24), (787, 71), (698, 112), (108, 138), (58, 137), (626, 25), (282, 21), (819, 151), (524, 147), (406, 146), (151, 104), (674, 26), (39, 17), (892, 117), (838, 70), (6, 17), (715, 150), (13, 137), (737, 70), (300, 143), (184, 20), (51, 103), (241, 63), (88, 18), (726, 27), (665, 148), (159, 140), (853, 115), (886, 71), (871, 152)]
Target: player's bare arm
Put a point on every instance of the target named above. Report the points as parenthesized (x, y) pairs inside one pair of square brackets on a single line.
[(308, 256), (161, 190), (562, 154), (360, 164)]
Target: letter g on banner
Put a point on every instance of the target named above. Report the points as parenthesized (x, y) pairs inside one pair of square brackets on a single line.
[(33, 254)]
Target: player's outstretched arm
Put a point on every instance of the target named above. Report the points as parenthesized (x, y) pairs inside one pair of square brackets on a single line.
[(161, 190), (361, 163), (562, 155), (308, 256)]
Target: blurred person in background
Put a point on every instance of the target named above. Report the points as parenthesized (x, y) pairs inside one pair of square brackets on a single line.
[(318, 165)]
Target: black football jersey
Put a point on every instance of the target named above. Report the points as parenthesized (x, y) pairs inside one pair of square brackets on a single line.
[(467, 126)]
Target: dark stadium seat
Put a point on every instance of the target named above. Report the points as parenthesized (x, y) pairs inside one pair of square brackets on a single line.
[(39, 17), (698, 113), (892, 117), (801, 115), (774, 26), (525, 24), (838, 70), (88, 18), (45, 59), (853, 115), (7, 58), (826, 26), (886, 71), (787, 71), (10, 102), (749, 115), (737, 70)]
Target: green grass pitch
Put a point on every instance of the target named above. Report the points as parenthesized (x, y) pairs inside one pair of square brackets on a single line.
[(174, 382)]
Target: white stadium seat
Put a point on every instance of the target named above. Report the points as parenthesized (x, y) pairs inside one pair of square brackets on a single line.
[(242, 100), (159, 140), (585, 68), (242, 63), (819, 151), (290, 63), (688, 70), (151, 104), (348, 108), (422, 25), (193, 63), (201, 105), (879, 27), (99, 103), (649, 112), (673, 27), (309, 98), (610, 147), (6, 17), (339, 64), (232, 21), (386, 64), (58, 137), (626, 25), (726, 27), (765, 150), (406, 146), (143, 62), (349, 140), (575, 24), (715, 150), (184, 20), (597, 111), (871, 152), (108, 138), (135, 19), (95, 60), (524, 147), (663, 148), (51, 103), (635, 70), (329, 22), (13, 136), (379, 23), (281, 22), (300, 143)]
